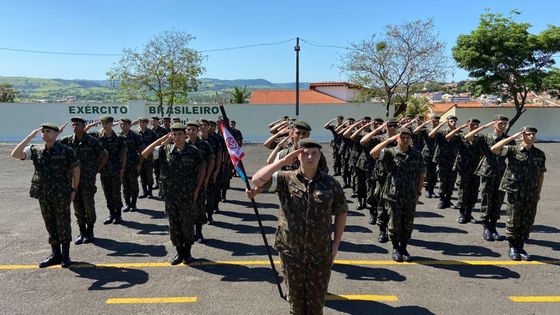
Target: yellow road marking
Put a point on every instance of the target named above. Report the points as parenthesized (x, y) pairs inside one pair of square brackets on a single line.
[(266, 262), (535, 299), (355, 297), (186, 299)]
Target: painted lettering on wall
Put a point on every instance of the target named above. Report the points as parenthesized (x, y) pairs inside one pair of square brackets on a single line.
[(183, 110), (97, 109)]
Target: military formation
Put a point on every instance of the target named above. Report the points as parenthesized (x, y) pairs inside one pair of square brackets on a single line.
[(387, 165)]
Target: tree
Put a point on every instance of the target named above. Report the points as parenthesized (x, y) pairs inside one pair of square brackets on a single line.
[(239, 95), (406, 55), (166, 69), (503, 58), (416, 106), (7, 93)]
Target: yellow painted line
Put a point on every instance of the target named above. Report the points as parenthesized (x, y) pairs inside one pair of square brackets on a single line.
[(535, 299), (277, 262), (160, 300), (355, 297)]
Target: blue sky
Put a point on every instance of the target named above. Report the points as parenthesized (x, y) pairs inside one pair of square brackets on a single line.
[(109, 26)]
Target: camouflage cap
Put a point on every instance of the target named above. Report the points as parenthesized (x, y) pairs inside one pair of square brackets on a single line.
[(193, 124), (212, 123), (366, 118), (166, 118), (176, 119), (501, 117), (474, 121), (300, 124), (106, 119), (204, 121), (405, 131), (178, 127), (50, 126), (436, 117), (529, 128), (155, 117), (452, 117), (143, 119), (392, 120), (126, 120), (378, 119), (78, 119), (309, 143), (340, 117)]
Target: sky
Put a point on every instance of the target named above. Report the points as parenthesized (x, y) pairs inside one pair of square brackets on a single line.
[(106, 27)]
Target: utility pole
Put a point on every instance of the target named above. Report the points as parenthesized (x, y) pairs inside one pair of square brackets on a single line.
[(297, 48)]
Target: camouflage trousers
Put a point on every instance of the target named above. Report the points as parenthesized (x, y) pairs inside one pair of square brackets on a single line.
[(147, 173), (130, 183), (181, 214), (111, 184), (337, 159), (346, 170), (431, 174), (84, 204), (382, 213), (200, 208), (521, 209), (467, 194), (371, 198), (361, 182), (56, 214), (447, 177), (211, 193), (491, 197), (157, 171), (307, 284), (401, 220)]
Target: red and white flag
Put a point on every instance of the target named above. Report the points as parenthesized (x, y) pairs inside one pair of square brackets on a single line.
[(235, 151)]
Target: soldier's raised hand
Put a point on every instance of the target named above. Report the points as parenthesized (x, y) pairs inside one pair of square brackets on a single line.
[(61, 128), (291, 158)]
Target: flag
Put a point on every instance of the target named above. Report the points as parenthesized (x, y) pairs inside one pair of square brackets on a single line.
[(234, 150)]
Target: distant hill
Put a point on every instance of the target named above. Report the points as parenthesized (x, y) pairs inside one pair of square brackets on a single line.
[(51, 90)]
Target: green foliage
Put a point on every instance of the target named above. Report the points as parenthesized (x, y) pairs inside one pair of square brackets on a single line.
[(7, 93), (239, 95), (416, 106)]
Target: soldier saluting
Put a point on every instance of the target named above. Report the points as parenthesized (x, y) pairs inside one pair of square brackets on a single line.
[(54, 184)]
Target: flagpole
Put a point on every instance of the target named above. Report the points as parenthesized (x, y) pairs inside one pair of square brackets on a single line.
[(261, 228)]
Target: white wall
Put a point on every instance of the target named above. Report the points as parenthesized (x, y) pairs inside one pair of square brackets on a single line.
[(340, 92)]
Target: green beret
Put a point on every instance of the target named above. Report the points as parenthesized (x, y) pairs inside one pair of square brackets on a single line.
[(405, 131), (501, 117), (50, 126), (126, 120), (155, 117), (106, 119), (474, 120), (309, 143), (451, 117), (192, 123), (178, 127), (530, 129), (78, 119), (143, 119), (300, 124)]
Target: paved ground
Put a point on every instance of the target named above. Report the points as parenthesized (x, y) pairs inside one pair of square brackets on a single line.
[(456, 271)]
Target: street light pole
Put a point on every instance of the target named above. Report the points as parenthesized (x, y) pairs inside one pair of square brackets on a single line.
[(297, 48)]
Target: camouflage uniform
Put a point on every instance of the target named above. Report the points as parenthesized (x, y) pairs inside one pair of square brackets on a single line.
[(180, 184), (367, 163), (401, 190), (345, 149), (110, 174), (208, 155), (89, 152), (465, 165), (359, 179), (381, 177), (160, 132), (336, 143), (444, 156), (147, 171), (51, 185), (212, 188), (303, 237), (134, 146), (428, 151), (282, 153), (521, 183)]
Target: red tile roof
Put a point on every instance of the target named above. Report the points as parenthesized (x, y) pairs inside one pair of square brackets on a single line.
[(333, 83), (440, 108), (289, 97)]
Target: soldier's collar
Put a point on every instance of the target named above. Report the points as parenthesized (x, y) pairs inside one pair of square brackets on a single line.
[(318, 175)]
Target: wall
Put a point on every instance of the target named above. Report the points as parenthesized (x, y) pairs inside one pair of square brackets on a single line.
[(340, 92)]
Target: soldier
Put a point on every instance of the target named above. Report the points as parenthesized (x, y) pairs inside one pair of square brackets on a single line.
[(160, 132), (148, 136), (92, 158), (182, 185), (522, 183), (212, 185), (205, 149), (113, 171), (444, 156), (405, 169), (465, 165), (219, 177), (308, 199), (428, 151), (237, 135), (54, 184), (345, 151), (335, 143), (167, 124), (490, 170), (134, 163), (417, 141), (358, 176), (361, 167)]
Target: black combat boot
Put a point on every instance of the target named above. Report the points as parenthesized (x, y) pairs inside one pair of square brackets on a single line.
[(187, 257), (210, 219), (111, 217), (486, 233), (405, 255), (89, 237), (118, 217), (383, 238), (65, 262), (144, 192), (80, 239), (372, 217), (397, 256), (179, 257), (53, 259), (468, 215), (198, 233), (346, 182), (513, 253), (354, 194), (495, 235), (133, 203), (361, 204), (127, 202), (521, 249), (462, 217), (149, 190)]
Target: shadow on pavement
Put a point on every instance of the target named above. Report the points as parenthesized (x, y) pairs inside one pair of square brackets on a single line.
[(454, 249), (154, 214), (354, 272), (427, 214), (553, 245), (126, 249), (242, 228), (471, 271), (249, 204), (357, 229), (423, 228), (354, 213), (361, 248), (109, 278), (147, 228), (237, 249), (370, 307), (538, 228), (248, 216), (236, 273)]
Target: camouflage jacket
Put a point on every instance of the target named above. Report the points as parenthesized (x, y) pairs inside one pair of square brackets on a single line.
[(403, 170), (134, 147), (429, 144), (148, 137), (445, 151), (160, 131), (491, 164), (468, 156), (205, 149), (52, 179), (523, 170), (182, 166), (115, 147), (89, 152), (306, 210)]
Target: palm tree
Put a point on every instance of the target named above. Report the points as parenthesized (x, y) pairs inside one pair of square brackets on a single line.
[(239, 95)]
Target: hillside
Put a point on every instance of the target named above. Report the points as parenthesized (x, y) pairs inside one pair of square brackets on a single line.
[(51, 90)]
